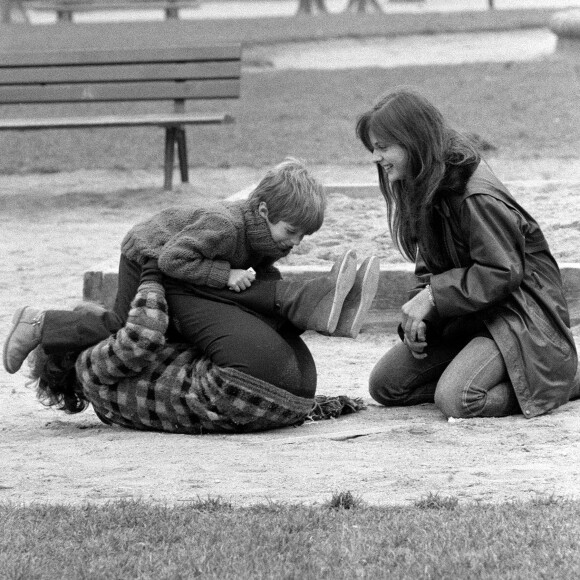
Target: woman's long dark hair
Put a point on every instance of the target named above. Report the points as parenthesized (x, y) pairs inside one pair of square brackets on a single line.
[(56, 380), (437, 156)]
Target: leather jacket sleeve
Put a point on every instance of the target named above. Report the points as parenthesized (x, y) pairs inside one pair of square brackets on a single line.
[(495, 237)]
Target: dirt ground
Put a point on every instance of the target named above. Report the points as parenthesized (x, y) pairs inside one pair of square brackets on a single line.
[(54, 227)]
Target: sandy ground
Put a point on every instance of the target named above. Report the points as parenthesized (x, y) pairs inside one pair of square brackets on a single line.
[(55, 227), (387, 456)]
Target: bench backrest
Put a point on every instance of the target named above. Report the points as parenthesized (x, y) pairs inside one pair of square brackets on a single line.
[(202, 72)]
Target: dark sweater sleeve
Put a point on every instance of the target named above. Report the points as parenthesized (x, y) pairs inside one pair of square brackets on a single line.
[(133, 347), (197, 253)]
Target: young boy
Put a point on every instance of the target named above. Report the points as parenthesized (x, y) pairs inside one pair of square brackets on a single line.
[(214, 245), (223, 252)]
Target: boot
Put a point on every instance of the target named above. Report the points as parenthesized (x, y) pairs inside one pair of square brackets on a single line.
[(316, 304), (23, 338), (359, 299)]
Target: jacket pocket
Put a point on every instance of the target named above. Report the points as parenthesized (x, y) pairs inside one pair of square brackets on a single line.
[(543, 324)]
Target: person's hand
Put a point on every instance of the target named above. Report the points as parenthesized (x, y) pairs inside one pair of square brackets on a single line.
[(416, 347), (414, 313), (239, 280)]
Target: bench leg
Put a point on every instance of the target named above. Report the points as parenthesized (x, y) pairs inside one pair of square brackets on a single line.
[(182, 154), (169, 156), (64, 16)]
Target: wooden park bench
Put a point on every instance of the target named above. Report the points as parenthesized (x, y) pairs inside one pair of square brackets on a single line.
[(92, 76), (65, 9)]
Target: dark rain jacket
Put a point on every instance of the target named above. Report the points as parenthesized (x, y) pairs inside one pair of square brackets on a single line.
[(504, 279)]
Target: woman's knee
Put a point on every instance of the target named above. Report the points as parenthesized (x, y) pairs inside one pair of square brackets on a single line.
[(400, 379), (449, 401), (476, 384), (380, 388), (499, 401)]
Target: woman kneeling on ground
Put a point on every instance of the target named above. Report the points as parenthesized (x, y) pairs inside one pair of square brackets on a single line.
[(486, 331)]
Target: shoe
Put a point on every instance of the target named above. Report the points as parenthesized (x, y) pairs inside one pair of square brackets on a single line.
[(359, 299), (23, 338), (316, 304)]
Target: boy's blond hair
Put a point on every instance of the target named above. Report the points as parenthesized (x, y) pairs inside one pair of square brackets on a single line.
[(291, 194)]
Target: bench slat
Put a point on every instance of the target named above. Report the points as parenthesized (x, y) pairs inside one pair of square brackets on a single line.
[(115, 121), (120, 73), (77, 57), (41, 6), (210, 89), (85, 76)]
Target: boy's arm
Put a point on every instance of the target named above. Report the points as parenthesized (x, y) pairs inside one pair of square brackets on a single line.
[(192, 254)]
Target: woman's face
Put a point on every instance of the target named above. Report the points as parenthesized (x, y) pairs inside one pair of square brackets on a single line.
[(391, 157)]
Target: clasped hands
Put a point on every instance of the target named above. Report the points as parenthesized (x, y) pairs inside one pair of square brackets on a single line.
[(414, 313)]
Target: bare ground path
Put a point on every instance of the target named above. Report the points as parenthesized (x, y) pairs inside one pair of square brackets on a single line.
[(55, 227)]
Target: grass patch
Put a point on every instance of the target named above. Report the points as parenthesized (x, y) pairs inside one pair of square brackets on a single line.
[(213, 539), (345, 500), (526, 109), (434, 501)]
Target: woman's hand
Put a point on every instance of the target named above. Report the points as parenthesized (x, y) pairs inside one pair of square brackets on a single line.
[(414, 314), (239, 280), (416, 347)]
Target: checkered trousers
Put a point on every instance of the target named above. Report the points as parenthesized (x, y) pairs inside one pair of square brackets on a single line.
[(135, 379)]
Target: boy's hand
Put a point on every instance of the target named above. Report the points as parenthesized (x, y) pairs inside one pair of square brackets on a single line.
[(239, 280)]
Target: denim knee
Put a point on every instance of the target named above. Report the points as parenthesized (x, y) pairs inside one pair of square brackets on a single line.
[(476, 384), (379, 388), (450, 403)]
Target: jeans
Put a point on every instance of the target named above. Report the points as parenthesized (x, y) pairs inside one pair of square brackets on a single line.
[(463, 380)]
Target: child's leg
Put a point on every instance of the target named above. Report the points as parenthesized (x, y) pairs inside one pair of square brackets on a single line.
[(315, 304), (61, 331), (234, 338)]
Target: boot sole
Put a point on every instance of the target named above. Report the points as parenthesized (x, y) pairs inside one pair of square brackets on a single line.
[(351, 326), (344, 282), (15, 322)]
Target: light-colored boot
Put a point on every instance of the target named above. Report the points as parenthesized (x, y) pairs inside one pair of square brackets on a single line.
[(316, 304), (359, 299), (23, 338)]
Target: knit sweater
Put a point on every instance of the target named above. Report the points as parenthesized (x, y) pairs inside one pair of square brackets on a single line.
[(201, 244), (137, 380)]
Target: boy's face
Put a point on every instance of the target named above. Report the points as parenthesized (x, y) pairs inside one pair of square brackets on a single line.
[(285, 235)]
